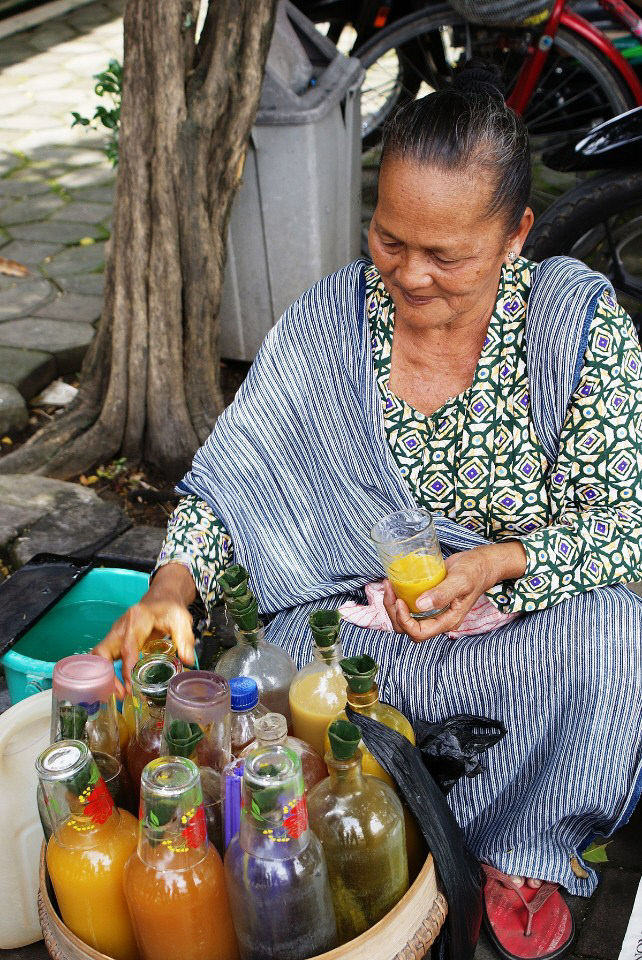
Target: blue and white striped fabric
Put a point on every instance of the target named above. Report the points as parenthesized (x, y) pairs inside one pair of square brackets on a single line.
[(299, 469)]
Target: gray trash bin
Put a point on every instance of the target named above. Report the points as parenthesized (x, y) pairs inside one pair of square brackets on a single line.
[(296, 216)]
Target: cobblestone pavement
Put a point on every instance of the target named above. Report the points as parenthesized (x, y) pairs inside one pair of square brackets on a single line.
[(55, 199)]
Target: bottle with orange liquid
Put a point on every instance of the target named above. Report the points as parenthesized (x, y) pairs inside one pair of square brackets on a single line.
[(150, 680), (162, 645), (174, 882), (318, 692), (91, 843), (363, 697), (83, 707)]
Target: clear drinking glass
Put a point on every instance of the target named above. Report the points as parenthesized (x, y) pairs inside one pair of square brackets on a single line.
[(409, 551)]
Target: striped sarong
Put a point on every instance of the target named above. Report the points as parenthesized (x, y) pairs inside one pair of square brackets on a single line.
[(298, 468)]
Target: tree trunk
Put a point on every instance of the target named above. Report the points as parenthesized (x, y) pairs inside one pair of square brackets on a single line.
[(150, 382)]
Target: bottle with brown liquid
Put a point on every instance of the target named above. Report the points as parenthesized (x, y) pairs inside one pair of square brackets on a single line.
[(150, 681)]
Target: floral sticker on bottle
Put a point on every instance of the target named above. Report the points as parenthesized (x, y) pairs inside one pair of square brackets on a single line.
[(97, 804), (294, 816)]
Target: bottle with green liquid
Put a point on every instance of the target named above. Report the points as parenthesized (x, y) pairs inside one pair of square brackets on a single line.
[(360, 823), (363, 696)]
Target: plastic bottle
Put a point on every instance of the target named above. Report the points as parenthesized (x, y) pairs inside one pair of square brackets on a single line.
[(174, 882), (252, 656), (150, 680), (271, 730), (86, 856), (363, 696), (318, 691), (360, 823), (275, 869), (83, 707), (246, 709), (163, 645), (197, 726)]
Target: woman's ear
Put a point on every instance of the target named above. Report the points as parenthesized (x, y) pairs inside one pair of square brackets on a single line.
[(518, 238)]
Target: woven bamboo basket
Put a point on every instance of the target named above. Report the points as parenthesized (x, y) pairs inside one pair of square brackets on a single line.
[(406, 933)]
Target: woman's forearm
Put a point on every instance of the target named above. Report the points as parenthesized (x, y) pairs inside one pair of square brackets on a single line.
[(173, 581)]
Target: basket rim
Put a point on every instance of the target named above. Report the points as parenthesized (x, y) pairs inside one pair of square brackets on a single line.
[(335, 954)]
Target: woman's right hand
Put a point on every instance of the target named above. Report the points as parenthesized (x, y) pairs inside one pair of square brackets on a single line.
[(162, 611)]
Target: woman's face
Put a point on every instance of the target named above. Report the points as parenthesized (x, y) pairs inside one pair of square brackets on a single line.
[(436, 248)]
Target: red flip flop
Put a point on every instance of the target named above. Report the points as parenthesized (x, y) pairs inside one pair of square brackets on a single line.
[(526, 923)]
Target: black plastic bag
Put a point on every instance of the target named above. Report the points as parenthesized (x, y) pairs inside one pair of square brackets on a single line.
[(459, 870), (451, 749)]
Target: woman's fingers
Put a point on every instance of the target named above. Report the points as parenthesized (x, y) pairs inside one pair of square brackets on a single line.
[(390, 603)]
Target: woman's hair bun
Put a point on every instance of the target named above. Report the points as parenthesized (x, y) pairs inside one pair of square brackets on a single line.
[(479, 76)]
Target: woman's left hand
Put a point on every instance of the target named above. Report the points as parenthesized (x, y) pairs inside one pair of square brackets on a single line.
[(468, 575)]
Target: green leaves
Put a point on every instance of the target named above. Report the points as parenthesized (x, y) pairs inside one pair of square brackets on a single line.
[(153, 819), (181, 737), (325, 627), (109, 84), (596, 853), (240, 601)]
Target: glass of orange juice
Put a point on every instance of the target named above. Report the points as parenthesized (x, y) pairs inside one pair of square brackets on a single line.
[(409, 550)]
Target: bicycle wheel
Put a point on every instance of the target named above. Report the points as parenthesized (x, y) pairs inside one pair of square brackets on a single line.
[(577, 89), (599, 222)]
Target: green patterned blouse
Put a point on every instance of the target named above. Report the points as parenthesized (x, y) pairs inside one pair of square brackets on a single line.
[(478, 459)]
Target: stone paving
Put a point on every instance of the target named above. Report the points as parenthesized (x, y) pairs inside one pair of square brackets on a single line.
[(55, 199)]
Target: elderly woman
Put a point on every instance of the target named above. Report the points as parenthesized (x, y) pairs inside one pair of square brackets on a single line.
[(504, 397)]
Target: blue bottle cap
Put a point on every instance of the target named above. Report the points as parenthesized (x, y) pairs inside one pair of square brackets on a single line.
[(244, 692)]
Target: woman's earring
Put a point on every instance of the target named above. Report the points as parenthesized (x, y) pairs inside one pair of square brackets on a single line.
[(511, 255)]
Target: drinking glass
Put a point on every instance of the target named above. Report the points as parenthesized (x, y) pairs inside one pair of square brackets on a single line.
[(409, 551)]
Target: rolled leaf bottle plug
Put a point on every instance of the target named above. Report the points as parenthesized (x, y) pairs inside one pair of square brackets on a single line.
[(272, 730), (270, 666), (318, 691), (275, 869), (83, 707), (197, 727), (86, 855), (174, 882), (359, 820), (150, 682)]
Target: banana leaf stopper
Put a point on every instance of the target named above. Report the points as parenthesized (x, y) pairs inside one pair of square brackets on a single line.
[(344, 739), (359, 672), (241, 603), (325, 627), (182, 737), (157, 674)]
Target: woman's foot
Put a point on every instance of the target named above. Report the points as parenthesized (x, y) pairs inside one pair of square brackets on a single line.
[(526, 919)]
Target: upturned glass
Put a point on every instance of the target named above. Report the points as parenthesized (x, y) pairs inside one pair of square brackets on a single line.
[(197, 726), (275, 869)]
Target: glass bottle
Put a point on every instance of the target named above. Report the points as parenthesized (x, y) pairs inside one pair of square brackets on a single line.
[(150, 680), (275, 869), (318, 691), (92, 840), (253, 656), (272, 730), (197, 726), (360, 823), (246, 709), (174, 882), (163, 645), (83, 707)]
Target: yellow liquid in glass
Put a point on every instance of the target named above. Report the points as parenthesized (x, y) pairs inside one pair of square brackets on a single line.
[(315, 700), (87, 876), (412, 575)]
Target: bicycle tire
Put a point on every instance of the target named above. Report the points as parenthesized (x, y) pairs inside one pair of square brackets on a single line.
[(616, 95), (572, 226)]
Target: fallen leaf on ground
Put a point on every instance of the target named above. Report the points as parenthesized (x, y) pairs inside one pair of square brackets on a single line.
[(11, 268), (596, 853), (7, 440), (88, 481)]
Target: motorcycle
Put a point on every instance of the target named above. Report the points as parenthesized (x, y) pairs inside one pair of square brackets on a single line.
[(599, 221)]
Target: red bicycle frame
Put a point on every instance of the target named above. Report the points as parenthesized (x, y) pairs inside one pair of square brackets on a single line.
[(561, 15)]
